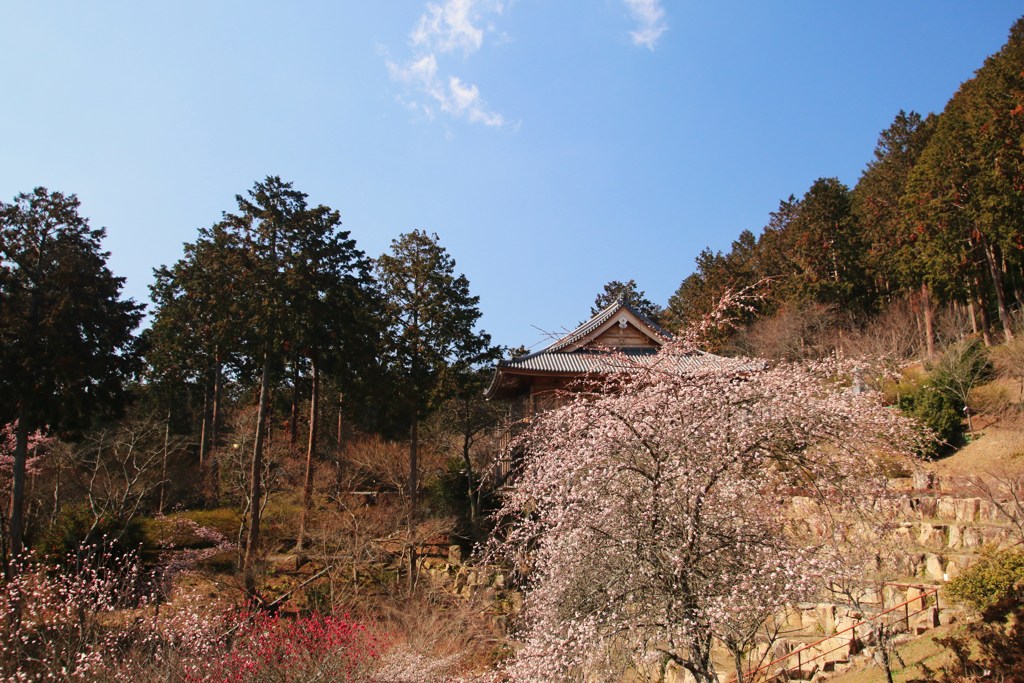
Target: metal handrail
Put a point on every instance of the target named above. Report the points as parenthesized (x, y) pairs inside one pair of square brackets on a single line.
[(905, 605)]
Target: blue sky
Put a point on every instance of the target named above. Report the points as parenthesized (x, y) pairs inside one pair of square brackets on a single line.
[(553, 145)]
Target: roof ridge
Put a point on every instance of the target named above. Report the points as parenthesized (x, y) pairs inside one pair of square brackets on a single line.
[(596, 320), (602, 317)]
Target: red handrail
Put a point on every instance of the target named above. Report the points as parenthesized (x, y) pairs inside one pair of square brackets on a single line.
[(750, 675)]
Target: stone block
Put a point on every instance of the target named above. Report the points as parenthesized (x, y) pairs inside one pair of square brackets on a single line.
[(913, 593), (898, 625), (925, 506), (934, 567), (911, 564), (903, 533), (923, 480), (434, 564), (809, 620), (793, 618), (804, 506), (802, 670), (945, 508), (994, 535), (892, 595), (677, 674), (865, 635), (455, 554), (780, 648), (967, 509), (956, 564), (970, 538), (906, 506), (955, 539), (989, 512), (825, 615), (844, 626), (837, 648), (933, 535)]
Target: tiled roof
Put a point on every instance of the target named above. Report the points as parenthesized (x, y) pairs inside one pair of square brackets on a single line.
[(572, 355), (601, 318), (602, 363)]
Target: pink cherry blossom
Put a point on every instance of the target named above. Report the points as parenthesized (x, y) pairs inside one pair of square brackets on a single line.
[(651, 513)]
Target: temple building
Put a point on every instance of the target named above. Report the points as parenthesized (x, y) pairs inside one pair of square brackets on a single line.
[(538, 381), (546, 379)]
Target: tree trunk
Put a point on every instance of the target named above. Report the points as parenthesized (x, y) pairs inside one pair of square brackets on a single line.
[(163, 465), (474, 503), (979, 295), (16, 513), (700, 663), (1010, 275), (293, 420), (882, 640), (929, 327), (203, 429), (339, 443), (256, 483), (56, 482), (997, 285), (737, 658), (339, 439), (215, 408), (414, 440), (211, 477), (307, 489)]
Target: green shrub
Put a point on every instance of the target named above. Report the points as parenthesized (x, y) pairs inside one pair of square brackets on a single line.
[(445, 494), (75, 526), (941, 412), (963, 366), (990, 581)]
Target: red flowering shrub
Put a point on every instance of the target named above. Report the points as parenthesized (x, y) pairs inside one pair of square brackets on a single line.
[(271, 648), (100, 620)]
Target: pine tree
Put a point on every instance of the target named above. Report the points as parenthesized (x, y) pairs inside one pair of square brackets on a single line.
[(268, 222), (876, 202), (630, 294), (66, 344), (965, 196), (336, 318), (431, 320), (194, 337)]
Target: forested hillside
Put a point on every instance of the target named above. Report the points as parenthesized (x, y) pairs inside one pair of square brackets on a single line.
[(936, 221)]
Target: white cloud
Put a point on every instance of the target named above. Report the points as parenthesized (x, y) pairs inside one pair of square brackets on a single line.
[(466, 100), (650, 16), (455, 98), (454, 25), (450, 27)]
